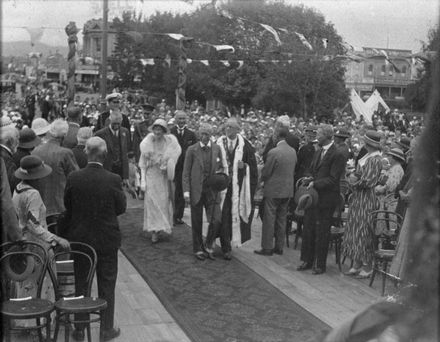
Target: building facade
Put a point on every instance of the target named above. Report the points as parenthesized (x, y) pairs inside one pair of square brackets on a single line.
[(374, 71)]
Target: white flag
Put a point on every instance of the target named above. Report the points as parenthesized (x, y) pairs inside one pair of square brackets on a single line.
[(189, 60), (224, 48), (176, 36), (273, 31), (204, 61), (304, 41), (240, 64), (147, 61), (225, 63)]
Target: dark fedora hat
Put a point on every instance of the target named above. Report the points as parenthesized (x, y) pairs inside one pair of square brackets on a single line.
[(397, 153), (32, 167), (218, 181), (28, 139), (372, 138), (342, 133), (305, 198), (147, 107), (404, 143)]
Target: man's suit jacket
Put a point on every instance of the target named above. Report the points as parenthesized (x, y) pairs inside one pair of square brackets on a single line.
[(278, 171), (124, 138), (326, 175), (192, 178), (141, 130), (93, 199), (185, 140), (70, 140), (80, 156), (103, 121), (10, 167), (292, 140)]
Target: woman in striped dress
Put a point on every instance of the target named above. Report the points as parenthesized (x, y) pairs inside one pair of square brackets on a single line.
[(358, 243)]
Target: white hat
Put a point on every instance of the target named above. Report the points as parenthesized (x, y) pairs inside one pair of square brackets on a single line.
[(112, 96), (40, 126)]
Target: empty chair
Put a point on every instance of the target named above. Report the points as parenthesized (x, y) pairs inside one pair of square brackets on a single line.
[(24, 265)]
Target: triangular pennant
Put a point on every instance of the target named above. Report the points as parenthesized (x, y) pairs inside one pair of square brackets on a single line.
[(324, 42), (304, 41), (204, 61), (136, 36), (282, 30), (176, 36), (35, 33), (189, 60), (167, 60), (224, 48), (273, 32), (225, 63), (147, 61), (289, 61), (240, 64)]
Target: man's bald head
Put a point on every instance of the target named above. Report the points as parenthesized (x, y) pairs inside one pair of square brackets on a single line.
[(96, 149)]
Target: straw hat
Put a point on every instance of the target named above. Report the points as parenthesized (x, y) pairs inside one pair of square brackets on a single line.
[(40, 126), (372, 138), (32, 167)]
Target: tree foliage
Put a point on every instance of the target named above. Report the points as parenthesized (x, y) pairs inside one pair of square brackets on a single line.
[(418, 94), (308, 84)]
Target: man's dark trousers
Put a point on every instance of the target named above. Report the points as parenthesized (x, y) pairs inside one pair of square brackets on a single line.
[(106, 274), (316, 235), (179, 202), (212, 208), (225, 232)]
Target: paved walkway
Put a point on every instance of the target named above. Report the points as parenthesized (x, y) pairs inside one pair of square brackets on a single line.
[(332, 297)]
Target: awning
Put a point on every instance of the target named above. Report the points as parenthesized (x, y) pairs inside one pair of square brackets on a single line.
[(87, 72)]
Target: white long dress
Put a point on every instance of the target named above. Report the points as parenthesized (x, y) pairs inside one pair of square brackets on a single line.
[(157, 162)]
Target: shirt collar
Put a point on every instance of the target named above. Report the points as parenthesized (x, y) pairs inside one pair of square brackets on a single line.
[(95, 163), (180, 129), (326, 147), (208, 144)]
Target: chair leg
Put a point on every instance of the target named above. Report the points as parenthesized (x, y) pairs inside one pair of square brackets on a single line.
[(338, 254), (57, 327), (48, 321), (384, 276), (101, 331), (374, 273), (89, 334), (67, 328)]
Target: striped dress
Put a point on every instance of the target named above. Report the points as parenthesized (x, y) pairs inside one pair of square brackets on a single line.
[(358, 243)]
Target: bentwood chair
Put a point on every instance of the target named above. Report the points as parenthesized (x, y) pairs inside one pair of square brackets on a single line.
[(387, 241), (23, 269), (83, 309)]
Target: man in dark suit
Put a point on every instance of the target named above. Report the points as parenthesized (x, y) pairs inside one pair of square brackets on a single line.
[(142, 128), (9, 138), (277, 175), (340, 136), (117, 139), (186, 138), (113, 103), (326, 170), (291, 139), (84, 133), (203, 159), (93, 199), (74, 118), (237, 205)]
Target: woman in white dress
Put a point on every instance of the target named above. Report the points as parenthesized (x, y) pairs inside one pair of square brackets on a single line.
[(159, 154)]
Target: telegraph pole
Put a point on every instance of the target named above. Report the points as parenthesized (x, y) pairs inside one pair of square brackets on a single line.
[(103, 83)]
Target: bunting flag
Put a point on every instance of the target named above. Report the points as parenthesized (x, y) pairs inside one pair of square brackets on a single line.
[(176, 36), (240, 64), (147, 61), (135, 35), (347, 47), (189, 60), (223, 48), (271, 30), (282, 30), (204, 61), (35, 34), (324, 42), (167, 60), (304, 41), (387, 59), (225, 63)]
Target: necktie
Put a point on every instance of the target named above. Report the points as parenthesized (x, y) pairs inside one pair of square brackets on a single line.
[(180, 132), (205, 147), (322, 154), (231, 146)]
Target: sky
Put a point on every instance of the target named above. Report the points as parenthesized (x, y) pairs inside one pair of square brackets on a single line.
[(399, 24)]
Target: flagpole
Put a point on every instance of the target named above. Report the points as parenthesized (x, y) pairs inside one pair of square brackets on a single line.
[(103, 81)]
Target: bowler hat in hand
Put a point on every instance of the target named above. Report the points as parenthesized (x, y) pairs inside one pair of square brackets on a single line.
[(218, 182), (305, 198)]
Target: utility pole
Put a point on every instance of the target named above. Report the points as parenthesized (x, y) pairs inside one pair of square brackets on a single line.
[(103, 83)]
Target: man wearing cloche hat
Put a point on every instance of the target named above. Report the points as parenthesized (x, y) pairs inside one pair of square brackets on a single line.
[(113, 103)]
